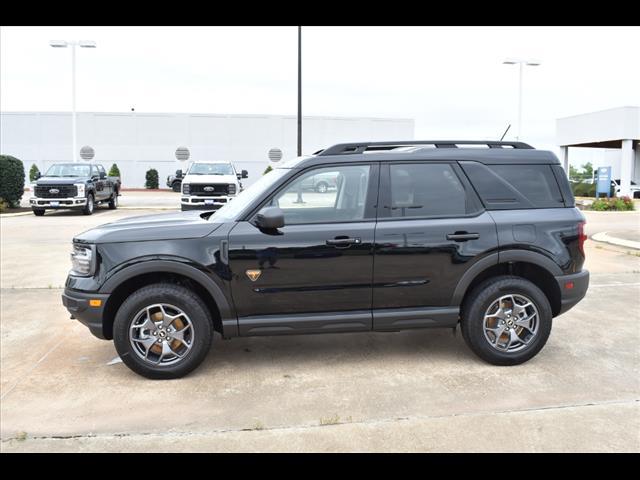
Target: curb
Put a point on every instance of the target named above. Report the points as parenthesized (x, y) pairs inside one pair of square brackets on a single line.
[(604, 237), (21, 214)]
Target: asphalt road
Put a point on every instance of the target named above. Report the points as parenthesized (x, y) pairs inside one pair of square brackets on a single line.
[(417, 390)]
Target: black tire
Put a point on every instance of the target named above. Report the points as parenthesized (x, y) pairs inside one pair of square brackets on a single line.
[(322, 187), (176, 186), (479, 301), (113, 201), (166, 293), (38, 212), (90, 206)]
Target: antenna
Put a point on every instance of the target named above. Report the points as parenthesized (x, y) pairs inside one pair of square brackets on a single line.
[(505, 132)]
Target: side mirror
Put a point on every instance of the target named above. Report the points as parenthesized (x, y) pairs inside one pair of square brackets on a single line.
[(178, 173), (270, 218), (103, 175), (245, 174), (38, 175)]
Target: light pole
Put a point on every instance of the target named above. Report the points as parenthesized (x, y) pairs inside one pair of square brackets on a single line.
[(521, 63), (73, 44), (299, 91)]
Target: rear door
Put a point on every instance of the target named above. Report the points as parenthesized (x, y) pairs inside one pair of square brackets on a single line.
[(431, 229)]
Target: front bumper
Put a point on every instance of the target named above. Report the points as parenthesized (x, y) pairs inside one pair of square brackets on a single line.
[(71, 202), (573, 288), (203, 203), (78, 305)]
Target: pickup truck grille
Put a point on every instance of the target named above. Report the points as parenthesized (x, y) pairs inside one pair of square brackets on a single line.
[(63, 191), (198, 189)]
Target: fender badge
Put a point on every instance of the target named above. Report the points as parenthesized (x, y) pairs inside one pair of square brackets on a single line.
[(253, 274)]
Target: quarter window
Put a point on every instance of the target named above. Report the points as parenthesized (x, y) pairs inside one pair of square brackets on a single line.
[(426, 190)]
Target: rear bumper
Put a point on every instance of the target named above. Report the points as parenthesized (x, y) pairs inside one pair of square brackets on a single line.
[(573, 288), (77, 303)]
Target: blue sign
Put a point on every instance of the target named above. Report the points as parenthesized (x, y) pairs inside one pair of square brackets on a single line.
[(603, 181)]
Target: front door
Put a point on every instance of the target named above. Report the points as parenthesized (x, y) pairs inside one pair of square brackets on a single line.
[(315, 273)]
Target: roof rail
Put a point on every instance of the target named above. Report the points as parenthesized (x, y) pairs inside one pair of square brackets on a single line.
[(360, 147)]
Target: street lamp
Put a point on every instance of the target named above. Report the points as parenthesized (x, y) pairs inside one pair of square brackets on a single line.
[(520, 62), (73, 44)]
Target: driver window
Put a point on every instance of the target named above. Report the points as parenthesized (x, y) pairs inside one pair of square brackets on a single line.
[(325, 195)]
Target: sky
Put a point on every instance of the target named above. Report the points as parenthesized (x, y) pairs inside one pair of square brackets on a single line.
[(450, 80)]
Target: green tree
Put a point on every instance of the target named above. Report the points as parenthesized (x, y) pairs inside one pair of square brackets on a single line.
[(11, 180), (114, 171), (574, 173), (32, 172), (587, 170), (152, 179)]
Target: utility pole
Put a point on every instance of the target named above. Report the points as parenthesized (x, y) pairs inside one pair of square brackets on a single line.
[(299, 91)]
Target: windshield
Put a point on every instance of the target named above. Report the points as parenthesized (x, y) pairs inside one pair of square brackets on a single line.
[(68, 170), (211, 169), (230, 211)]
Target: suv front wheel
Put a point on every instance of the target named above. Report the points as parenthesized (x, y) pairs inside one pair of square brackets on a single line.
[(506, 320), (163, 331)]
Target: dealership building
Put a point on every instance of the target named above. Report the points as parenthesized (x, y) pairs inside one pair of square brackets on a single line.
[(140, 141)]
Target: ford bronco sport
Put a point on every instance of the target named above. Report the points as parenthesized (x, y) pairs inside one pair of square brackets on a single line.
[(416, 234)]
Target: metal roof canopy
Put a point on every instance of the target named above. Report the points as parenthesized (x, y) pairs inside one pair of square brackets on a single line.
[(613, 128)]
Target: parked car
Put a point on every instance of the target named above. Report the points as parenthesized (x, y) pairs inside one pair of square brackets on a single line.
[(209, 185), (488, 239), (175, 181), (635, 189), (77, 186), (320, 183)]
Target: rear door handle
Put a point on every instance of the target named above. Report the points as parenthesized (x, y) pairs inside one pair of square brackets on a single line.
[(462, 236), (344, 242)]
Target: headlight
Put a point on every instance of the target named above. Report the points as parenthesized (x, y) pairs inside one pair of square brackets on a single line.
[(185, 188), (83, 260), (80, 187), (232, 189)]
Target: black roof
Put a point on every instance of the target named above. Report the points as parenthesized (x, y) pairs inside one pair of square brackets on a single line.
[(487, 152)]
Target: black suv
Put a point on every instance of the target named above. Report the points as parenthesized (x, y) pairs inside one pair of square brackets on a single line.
[(415, 235)]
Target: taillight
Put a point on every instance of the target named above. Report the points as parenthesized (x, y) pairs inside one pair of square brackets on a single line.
[(581, 237)]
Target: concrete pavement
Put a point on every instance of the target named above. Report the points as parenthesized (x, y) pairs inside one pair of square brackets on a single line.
[(417, 390)]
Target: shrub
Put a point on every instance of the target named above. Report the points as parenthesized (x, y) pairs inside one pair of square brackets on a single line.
[(114, 171), (267, 170), (3, 205), (32, 172), (152, 178), (620, 204), (583, 189), (11, 180)]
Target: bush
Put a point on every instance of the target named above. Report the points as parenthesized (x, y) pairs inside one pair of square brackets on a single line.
[(152, 178), (3, 205), (114, 171), (583, 189), (32, 172), (267, 170), (619, 204), (11, 180)]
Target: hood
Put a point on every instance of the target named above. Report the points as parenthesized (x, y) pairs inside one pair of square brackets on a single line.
[(210, 179), (165, 226), (60, 180)]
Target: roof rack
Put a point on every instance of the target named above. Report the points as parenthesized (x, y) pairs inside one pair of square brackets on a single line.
[(361, 147)]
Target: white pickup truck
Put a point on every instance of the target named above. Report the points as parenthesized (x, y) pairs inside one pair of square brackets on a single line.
[(209, 185)]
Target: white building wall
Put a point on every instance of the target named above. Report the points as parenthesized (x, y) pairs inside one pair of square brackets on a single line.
[(139, 141)]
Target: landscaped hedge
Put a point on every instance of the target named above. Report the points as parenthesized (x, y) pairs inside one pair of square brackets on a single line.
[(613, 204), (11, 180), (32, 172), (152, 179)]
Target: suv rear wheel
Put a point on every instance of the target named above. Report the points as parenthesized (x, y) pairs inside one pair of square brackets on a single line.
[(163, 331), (506, 320)]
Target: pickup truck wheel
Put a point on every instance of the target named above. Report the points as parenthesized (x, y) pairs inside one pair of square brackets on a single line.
[(38, 212), (322, 187), (506, 320), (113, 201), (163, 331), (176, 186), (89, 207)]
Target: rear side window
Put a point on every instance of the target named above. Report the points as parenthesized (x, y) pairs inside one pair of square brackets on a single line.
[(514, 186), (426, 190)]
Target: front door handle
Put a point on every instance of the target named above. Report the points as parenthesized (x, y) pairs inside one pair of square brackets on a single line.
[(462, 236), (343, 242)]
